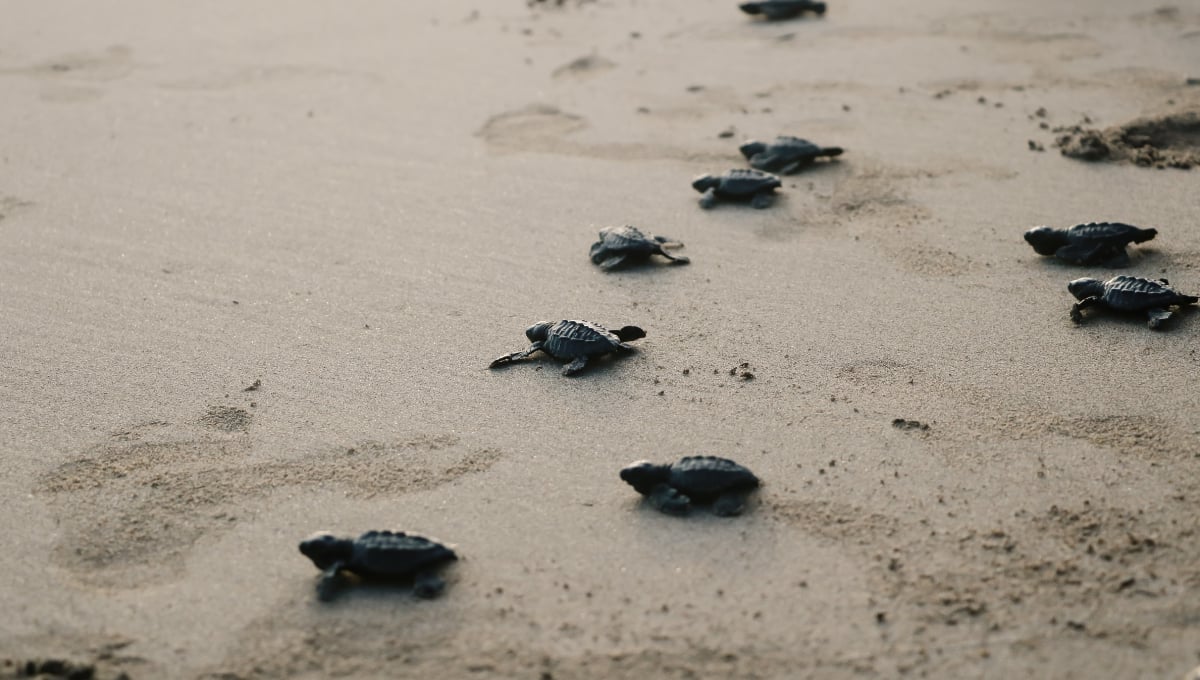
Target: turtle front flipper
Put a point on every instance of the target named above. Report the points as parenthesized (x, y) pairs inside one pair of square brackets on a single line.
[(515, 356), (668, 499), (613, 261), (1158, 317), (1078, 307), (675, 259), (762, 200), (1087, 254), (708, 199), (330, 582), (729, 504), (576, 365), (428, 585)]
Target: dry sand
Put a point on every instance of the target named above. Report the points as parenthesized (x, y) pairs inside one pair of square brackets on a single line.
[(360, 205)]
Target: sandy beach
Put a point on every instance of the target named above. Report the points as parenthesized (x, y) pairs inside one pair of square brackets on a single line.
[(257, 256)]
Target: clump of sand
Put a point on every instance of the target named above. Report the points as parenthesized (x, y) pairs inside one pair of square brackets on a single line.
[(1168, 141)]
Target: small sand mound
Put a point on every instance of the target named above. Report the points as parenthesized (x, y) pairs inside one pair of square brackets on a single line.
[(1169, 141)]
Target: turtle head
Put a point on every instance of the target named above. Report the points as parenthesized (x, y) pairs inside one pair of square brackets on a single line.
[(324, 549), (752, 148), (1085, 288), (644, 475), (538, 331), (705, 182), (1046, 240)]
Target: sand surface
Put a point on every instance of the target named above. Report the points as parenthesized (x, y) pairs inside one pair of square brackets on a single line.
[(357, 206)]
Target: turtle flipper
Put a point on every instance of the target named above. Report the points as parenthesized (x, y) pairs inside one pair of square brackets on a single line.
[(1085, 254), (515, 356), (329, 582), (762, 200), (1158, 317), (668, 242), (614, 261), (729, 504), (577, 365), (791, 167), (428, 585), (708, 199), (669, 500), (1119, 259), (1078, 307), (675, 259)]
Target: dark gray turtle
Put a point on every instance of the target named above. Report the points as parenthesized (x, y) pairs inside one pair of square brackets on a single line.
[(674, 487), (574, 342), (782, 9), (628, 245), (1094, 243), (785, 155), (1128, 294), (383, 555), (755, 186)]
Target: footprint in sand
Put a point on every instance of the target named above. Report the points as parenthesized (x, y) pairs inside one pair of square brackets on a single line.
[(108, 64), (584, 66), (540, 128), (11, 205), (131, 508)]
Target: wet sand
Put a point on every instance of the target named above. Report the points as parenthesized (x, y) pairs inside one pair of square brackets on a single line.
[(357, 209)]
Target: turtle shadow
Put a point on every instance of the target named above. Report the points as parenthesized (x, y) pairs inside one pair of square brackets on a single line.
[(1137, 257), (647, 268), (700, 513), (1181, 318), (352, 588), (595, 364)]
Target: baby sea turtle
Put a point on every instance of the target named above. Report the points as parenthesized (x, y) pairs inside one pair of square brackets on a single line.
[(1128, 294), (628, 245), (383, 555), (785, 155), (1094, 243), (755, 186), (574, 342), (782, 9), (672, 488)]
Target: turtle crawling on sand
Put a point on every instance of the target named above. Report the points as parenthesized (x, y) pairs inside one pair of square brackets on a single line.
[(574, 342), (755, 186), (1128, 294), (1094, 243), (619, 246), (782, 9), (674, 487), (786, 154), (381, 555)]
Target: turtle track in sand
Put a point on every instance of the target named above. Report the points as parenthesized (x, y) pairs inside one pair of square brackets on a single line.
[(1171, 141), (131, 508)]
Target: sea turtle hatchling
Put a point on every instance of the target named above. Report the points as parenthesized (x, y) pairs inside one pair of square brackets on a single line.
[(672, 488), (1128, 294), (574, 342), (786, 154), (741, 184), (782, 9), (381, 555), (1094, 243), (625, 245)]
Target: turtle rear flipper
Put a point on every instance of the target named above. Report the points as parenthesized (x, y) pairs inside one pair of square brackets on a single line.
[(428, 585), (729, 504)]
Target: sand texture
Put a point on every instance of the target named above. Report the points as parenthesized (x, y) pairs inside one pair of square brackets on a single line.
[(256, 259)]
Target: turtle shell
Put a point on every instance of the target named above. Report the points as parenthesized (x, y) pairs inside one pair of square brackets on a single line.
[(745, 183), (1113, 233), (1134, 294), (570, 339), (618, 240), (703, 477), (395, 553)]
